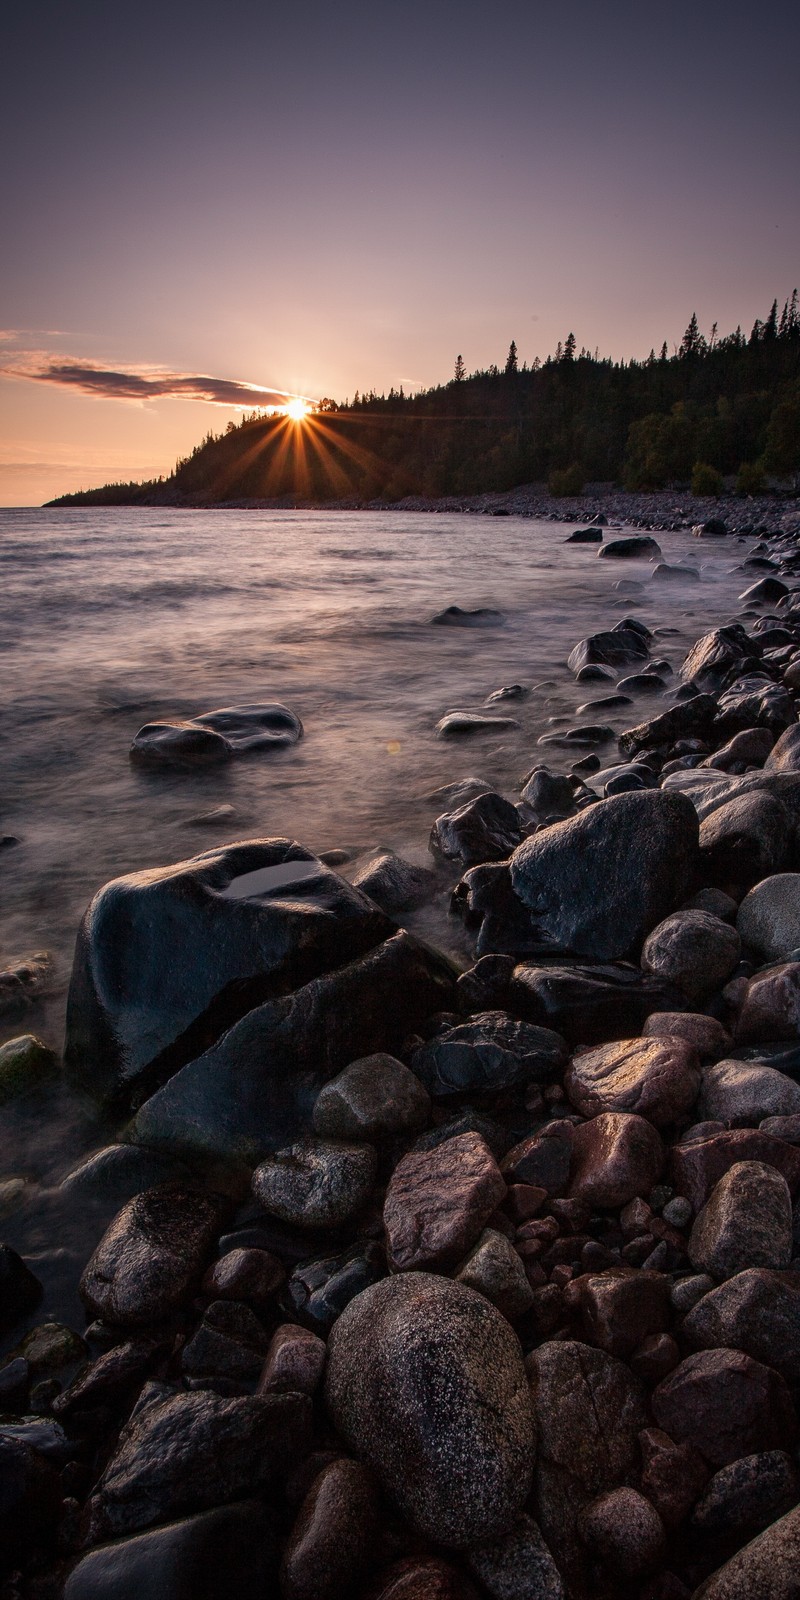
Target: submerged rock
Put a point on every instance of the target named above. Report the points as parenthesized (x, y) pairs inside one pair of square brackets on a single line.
[(425, 1382), (481, 617), (216, 736), (640, 545)]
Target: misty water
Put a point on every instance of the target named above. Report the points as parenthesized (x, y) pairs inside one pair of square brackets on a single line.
[(113, 618)]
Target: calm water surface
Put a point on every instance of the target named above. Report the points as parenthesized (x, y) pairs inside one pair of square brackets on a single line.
[(113, 618)]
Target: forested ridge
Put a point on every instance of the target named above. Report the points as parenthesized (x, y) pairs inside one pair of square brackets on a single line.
[(714, 408)]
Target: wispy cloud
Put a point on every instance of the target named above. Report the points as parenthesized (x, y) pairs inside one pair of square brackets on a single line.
[(136, 382)]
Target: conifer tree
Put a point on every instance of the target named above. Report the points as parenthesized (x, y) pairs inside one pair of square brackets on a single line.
[(460, 370), (512, 366)]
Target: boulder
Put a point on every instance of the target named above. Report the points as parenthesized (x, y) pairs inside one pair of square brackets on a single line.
[(748, 1494), (689, 719), (152, 1257), (589, 1410), (705, 1034), (518, 1566), (254, 1091), (455, 617), (746, 1222), (618, 647), (295, 1361), (749, 838), (785, 754), (245, 1274), (655, 1078), (754, 700), (622, 1307), (542, 1160), (486, 829), (757, 1311), (746, 1092), (615, 1157), (460, 724), (216, 736), (167, 959), (712, 659), (394, 884), (596, 884), (589, 1004), (640, 546), (25, 1064), (425, 1382), (180, 1453), (750, 747), (766, 1569), (30, 1502), (439, 1201), (548, 794), (769, 917), (198, 1558), (490, 1052), (316, 1184), (332, 1544), (726, 1405), (585, 536), (494, 1269), (622, 1529), (694, 951), (370, 1099), (230, 1344), (771, 1005), (708, 1150), (769, 589)]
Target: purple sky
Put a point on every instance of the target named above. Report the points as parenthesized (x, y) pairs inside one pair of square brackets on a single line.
[(322, 198)]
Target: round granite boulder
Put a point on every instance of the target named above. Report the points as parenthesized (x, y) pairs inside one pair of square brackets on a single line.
[(425, 1382)]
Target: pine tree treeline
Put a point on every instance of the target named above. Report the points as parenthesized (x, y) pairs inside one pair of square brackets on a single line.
[(716, 407)]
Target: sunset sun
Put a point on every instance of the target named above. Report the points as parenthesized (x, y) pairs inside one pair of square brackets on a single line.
[(297, 409)]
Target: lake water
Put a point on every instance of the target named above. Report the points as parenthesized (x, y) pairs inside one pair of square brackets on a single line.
[(113, 618)]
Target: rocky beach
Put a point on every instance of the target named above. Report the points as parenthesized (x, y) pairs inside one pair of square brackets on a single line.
[(412, 1212)]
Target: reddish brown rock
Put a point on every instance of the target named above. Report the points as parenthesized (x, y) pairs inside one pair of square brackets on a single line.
[(622, 1529), (771, 1005), (615, 1157), (294, 1361), (619, 1308), (542, 1160), (673, 1475), (249, 1275), (726, 1405), (331, 1546), (439, 1201), (656, 1078), (708, 1151), (705, 1034)]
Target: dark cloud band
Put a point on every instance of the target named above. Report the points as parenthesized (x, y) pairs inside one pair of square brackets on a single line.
[(106, 383)]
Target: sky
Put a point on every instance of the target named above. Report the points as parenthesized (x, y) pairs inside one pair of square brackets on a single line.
[(203, 202)]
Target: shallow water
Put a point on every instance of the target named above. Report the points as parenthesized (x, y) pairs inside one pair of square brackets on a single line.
[(113, 618)]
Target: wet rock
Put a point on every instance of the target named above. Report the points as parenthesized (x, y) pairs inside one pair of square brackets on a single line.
[(20, 1290), (749, 838), (747, 1495), (624, 1530), (769, 916), (230, 1343), (619, 647), (711, 659), (231, 1549), (494, 1269), (725, 1404), (30, 1501), (486, 829), (295, 1361), (517, 1567), (597, 883), (216, 736), (678, 574), (542, 1160), (248, 921), (425, 1382), (655, 1078), (248, 1275), (439, 1201), (589, 1410), (370, 1099), (714, 901), (705, 1034), (709, 1150), (180, 1453), (255, 1090), (758, 1311), (548, 794), (481, 617), (332, 1544), (694, 951), (459, 724), (746, 1092), (394, 884), (755, 700), (320, 1289), (585, 536), (490, 1052), (673, 1475), (691, 718), (766, 589), (785, 755), (747, 1222), (114, 1377), (616, 1156), (151, 1259), (640, 546), (315, 1184), (25, 1063), (589, 1004), (508, 691), (622, 1307), (771, 1005)]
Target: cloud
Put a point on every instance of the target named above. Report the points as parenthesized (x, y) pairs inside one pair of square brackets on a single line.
[(137, 383)]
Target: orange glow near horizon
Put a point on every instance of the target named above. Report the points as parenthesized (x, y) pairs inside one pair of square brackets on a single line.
[(297, 409)]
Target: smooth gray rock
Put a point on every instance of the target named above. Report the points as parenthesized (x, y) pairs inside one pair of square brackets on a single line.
[(769, 916), (371, 1098), (766, 1569), (315, 1184), (425, 1382), (758, 1311), (695, 951), (745, 1092), (746, 1222), (519, 1566), (749, 838), (216, 736), (785, 754)]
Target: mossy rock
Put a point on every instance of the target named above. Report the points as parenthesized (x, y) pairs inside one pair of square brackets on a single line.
[(24, 1064)]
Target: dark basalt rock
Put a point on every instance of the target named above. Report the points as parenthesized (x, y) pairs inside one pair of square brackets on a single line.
[(115, 1376), (767, 589), (481, 617), (394, 884), (255, 1090), (548, 794), (712, 528), (230, 1550), (590, 1005), (181, 1453), (585, 536), (20, 1291), (151, 1259), (425, 1382), (690, 719), (30, 1501), (216, 736), (167, 959), (230, 1343), (619, 647), (319, 1290), (754, 701), (486, 829), (489, 1053), (638, 546), (711, 660)]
